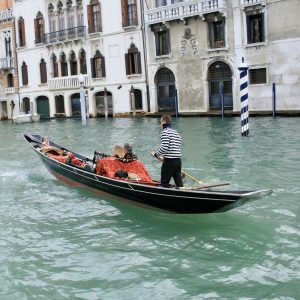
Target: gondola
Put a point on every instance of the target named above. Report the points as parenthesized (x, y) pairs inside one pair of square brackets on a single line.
[(176, 200)]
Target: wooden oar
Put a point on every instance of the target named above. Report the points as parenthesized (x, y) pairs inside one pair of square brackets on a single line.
[(211, 186), (191, 177), (183, 172)]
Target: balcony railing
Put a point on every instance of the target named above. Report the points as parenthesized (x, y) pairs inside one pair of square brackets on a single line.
[(183, 10), (64, 35), (252, 2), (6, 63), (10, 90), (6, 14), (68, 82)]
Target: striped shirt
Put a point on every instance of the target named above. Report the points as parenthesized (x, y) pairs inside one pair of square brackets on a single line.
[(170, 144)]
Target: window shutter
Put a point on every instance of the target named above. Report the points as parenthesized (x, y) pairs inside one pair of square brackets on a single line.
[(24, 74), (124, 13), (127, 64), (103, 66), (43, 72), (139, 65), (100, 18), (262, 27), (23, 33), (36, 30), (135, 13), (248, 24), (93, 68), (90, 18)]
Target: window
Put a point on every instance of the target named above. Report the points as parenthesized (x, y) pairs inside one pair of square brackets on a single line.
[(216, 34), (133, 61), (82, 62), (8, 45), (258, 76), (39, 28), (73, 63), (54, 66), (98, 65), (24, 72), (255, 28), (94, 17), (61, 21), (10, 80), (43, 71), (162, 41), (64, 65), (159, 3), (129, 13), (21, 29)]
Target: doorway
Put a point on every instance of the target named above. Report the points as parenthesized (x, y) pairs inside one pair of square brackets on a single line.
[(166, 91), (42, 107), (220, 85)]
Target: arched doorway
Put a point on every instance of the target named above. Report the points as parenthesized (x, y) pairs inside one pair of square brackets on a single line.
[(42, 107), (166, 91), (100, 109), (25, 105), (220, 83), (60, 105), (75, 105)]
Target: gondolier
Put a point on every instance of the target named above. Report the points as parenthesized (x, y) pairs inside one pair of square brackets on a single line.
[(170, 150)]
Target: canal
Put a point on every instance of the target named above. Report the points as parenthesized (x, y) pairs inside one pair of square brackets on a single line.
[(61, 242)]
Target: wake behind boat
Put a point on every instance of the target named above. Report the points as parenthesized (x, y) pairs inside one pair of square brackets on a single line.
[(75, 169)]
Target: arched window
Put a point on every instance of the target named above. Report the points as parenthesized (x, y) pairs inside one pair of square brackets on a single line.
[(39, 28), (10, 80), (52, 23), (24, 71), (133, 61), (82, 62), (94, 16), (64, 64), (21, 30), (98, 65), (73, 63), (54, 66), (43, 71), (79, 16)]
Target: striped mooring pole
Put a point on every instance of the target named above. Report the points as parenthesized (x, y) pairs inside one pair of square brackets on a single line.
[(243, 68)]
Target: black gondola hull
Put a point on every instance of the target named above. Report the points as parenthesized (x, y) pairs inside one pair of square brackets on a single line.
[(169, 199)]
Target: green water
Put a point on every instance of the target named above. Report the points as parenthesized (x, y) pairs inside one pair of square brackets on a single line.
[(61, 242)]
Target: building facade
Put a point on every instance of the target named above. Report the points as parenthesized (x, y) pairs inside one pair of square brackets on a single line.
[(8, 62), (58, 40), (194, 49), (147, 56)]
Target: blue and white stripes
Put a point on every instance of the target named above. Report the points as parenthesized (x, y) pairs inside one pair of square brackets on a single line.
[(244, 98)]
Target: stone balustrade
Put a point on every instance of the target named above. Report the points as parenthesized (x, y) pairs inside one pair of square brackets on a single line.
[(10, 90), (5, 63), (68, 82), (6, 14), (252, 2), (183, 10)]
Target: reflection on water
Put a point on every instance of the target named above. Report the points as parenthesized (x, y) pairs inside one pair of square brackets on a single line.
[(61, 242)]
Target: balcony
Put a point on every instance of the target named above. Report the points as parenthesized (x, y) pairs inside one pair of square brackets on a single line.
[(182, 10), (6, 63), (252, 2), (61, 36), (6, 14), (10, 90), (68, 82)]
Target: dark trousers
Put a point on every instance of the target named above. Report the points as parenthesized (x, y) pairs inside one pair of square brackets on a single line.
[(171, 167)]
